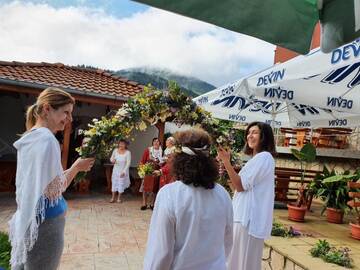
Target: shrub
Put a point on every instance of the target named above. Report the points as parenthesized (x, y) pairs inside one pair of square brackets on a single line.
[(330, 254), (5, 249)]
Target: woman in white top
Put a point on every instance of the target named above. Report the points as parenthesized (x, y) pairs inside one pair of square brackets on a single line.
[(253, 200), (191, 226), (37, 227), (120, 179)]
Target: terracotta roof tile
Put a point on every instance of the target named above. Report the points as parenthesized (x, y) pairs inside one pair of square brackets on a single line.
[(58, 74)]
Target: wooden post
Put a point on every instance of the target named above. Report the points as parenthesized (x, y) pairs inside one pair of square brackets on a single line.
[(65, 146), (161, 127)]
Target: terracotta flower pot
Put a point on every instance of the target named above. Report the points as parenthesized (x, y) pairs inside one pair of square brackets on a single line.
[(84, 186), (355, 230), (296, 213), (334, 215)]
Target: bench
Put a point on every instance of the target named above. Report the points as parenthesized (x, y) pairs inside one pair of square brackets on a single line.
[(288, 181), (295, 136), (331, 137)]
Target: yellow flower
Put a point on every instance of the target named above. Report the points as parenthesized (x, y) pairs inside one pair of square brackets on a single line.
[(142, 101), (142, 126)]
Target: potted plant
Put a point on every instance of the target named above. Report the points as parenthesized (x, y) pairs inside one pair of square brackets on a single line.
[(354, 203), (334, 193), (297, 211)]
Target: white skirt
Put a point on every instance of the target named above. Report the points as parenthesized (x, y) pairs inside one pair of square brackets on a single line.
[(120, 184), (246, 252)]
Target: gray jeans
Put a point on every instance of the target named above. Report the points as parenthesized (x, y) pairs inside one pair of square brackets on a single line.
[(48, 248)]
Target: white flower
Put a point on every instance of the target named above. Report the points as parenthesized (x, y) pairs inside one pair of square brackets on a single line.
[(122, 112), (80, 131), (95, 120)]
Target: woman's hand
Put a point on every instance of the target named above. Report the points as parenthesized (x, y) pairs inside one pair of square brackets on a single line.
[(157, 172), (84, 164), (122, 174), (223, 155)]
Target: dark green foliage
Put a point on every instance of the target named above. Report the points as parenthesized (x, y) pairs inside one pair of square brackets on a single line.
[(320, 249), (159, 79), (307, 154), (330, 254), (279, 229), (332, 189), (5, 250)]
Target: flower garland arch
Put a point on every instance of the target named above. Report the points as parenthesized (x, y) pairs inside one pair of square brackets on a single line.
[(150, 107)]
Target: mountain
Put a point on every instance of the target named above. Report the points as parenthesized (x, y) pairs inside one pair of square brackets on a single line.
[(159, 78)]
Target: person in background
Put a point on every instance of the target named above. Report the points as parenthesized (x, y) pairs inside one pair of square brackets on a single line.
[(170, 147), (253, 200), (150, 183), (37, 227), (164, 171), (120, 178), (191, 226)]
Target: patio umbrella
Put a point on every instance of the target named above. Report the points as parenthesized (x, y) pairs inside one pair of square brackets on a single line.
[(225, 103), (329, 81), (287, 23)]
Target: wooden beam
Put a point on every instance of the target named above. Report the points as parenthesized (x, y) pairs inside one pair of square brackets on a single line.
[(83, 98), (65, 146)]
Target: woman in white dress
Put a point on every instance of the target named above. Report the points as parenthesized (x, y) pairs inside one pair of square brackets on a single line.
[(253, 200), (120, 179), (191, 226)]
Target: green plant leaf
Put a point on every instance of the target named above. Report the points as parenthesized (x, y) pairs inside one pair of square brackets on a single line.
[(309, 151), (337, 178)]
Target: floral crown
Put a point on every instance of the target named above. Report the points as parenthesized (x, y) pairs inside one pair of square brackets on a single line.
[(190, 151)]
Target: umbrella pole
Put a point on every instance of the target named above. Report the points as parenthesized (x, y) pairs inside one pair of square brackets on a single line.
[(273, 115)]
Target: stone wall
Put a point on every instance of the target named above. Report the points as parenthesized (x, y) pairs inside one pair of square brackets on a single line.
[(274, 260), (354, 140), (338, 164)]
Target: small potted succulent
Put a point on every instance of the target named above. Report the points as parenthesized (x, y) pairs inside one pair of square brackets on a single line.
[(334, 192), (297, 211)]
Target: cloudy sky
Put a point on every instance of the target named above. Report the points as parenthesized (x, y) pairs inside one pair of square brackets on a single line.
[(118, 34)]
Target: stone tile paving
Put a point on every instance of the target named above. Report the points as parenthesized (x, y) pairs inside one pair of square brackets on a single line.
[(100, 235)]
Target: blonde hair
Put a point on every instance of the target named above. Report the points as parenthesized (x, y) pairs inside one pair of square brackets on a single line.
[(55, 97)]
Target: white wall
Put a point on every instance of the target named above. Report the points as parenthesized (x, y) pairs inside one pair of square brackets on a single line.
[(143, 139)]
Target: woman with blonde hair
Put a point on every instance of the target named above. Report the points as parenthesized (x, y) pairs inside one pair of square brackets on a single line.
[(37, 227), (191, 226)]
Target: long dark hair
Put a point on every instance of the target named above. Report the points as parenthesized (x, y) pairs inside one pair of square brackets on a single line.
[(267, 141), (199, 169)]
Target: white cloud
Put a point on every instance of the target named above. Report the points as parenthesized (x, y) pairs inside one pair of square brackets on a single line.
[(41, 33)]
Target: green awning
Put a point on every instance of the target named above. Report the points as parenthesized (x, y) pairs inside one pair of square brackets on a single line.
[(287, 23)]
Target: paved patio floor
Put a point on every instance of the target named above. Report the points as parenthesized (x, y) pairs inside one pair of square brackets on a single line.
[(98, 235), (103, 236)]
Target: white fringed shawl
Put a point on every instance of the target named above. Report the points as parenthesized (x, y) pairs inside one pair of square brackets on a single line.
[(39, 176)]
